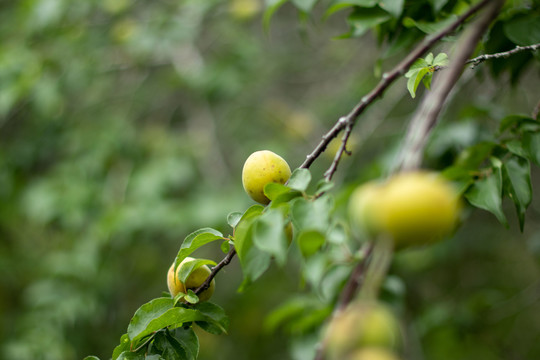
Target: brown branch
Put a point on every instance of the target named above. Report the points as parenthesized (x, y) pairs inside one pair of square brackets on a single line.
[(479, 59), (387, 79), (427, 115), (348, 293), (224, 262)]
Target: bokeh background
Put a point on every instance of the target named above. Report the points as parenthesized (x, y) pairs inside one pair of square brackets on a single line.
[(124, 125)]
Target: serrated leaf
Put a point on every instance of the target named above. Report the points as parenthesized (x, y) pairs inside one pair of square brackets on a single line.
[(220, 320), (394, 7), (310, 241), (429, 58), (269, 235), (517, 176), (233, 218), (299, 180), (486, 194), (123, 346), (158, 314), (189, 266), (363, 19), (195, 240)]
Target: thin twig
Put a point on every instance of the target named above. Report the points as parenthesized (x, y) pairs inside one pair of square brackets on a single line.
[(479, 59), (427, 115), (348, 293), (224, 262), (387, 79)]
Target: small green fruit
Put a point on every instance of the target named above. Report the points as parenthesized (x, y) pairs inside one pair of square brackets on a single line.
[(362, 208), (418, 208), (372, 353), (194, 280), (362, 324), (261, 168)]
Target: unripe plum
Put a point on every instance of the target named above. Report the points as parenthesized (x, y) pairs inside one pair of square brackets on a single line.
[(194, 280), (261, 168)]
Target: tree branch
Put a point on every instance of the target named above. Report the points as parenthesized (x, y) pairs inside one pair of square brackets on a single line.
[(479, 59), (427, 115), (387, 79), (224, 262)]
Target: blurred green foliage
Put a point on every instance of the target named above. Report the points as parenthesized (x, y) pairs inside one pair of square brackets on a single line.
[(123, 128)]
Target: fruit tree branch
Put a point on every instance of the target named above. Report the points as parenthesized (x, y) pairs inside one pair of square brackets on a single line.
[(386, 80), (224, 262), (427, 115), (479, 59)]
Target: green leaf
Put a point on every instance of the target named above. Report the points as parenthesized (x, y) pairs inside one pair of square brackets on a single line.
[(426, 80), (147, 313), (271, 7), (225, 246), (514, 123), (437, 5), (415, 79), (233, 218), (523, 30), (254, 262), (323, 186), (269, 235), (337, 234), (312, 215), (394, 7), (343, 4), (123, 346), (288, 312), (158, 314), (531, 145), (187, 338), (474, 156), (191, 297), (273, 190), (190, 266), (299, 180), (310, 241), (91, 358), (128, 355), (363, 19), (194, 241), (517, 176), (168, 347), (219, 320), (429, 27), (441, 60), (304, 5), (486, 194)]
